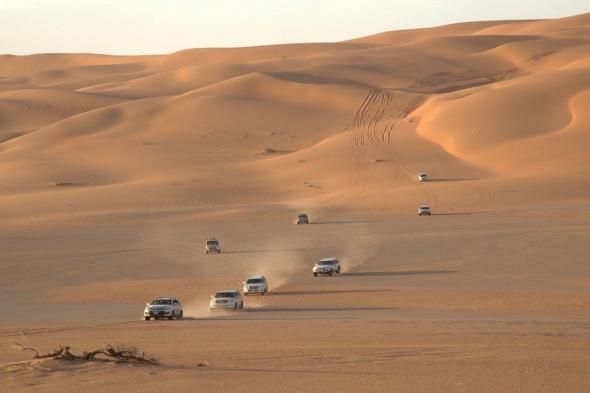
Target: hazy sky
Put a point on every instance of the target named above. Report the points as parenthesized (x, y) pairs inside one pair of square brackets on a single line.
[(161, 26)]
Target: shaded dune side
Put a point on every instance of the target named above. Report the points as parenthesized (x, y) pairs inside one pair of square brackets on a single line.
[(341, 124), (467, 125)]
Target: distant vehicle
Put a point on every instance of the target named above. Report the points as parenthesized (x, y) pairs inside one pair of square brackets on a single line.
[(228, 299), (302, 219), (255, 284), (327, 266), (424, 211), (163, 307), (212, 245), (422, 177)]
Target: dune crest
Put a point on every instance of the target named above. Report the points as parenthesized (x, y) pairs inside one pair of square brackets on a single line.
[(486, 100)]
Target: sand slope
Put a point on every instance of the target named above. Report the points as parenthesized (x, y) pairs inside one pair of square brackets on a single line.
[(506, 99), (116, 169)]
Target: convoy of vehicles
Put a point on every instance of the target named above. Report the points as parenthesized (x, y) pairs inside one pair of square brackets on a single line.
[(171, 308)]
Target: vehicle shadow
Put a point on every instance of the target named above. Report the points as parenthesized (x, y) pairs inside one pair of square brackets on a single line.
[(267, 250), (314, 309), (326, 292), (342, 222), (459, 213), (455, 179), (402, 273)]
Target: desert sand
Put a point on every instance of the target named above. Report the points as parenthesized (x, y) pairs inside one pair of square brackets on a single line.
[(116, 169)]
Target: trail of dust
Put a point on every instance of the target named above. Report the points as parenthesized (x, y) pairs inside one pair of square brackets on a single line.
[(359, 252), (196, 308), (277, 266)]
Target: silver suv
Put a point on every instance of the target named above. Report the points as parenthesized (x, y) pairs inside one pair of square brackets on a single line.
[(163, 308), (327, 266), (302, 219), (228, 299), (424, 211), (212, 245), (255, 284)]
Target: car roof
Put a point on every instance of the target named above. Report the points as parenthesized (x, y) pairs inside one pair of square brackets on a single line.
[(424, 207), (227, 291), (328, 259), (165, 298), (257, 277)]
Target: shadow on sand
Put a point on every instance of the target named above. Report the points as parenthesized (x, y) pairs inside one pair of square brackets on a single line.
[(459, 213), (327, 292), (342, 222), (403, 273), (263, 251), (446, 180), (315, 309)]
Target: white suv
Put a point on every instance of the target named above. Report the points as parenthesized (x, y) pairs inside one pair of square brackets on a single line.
[(424, 211), (163, 307), (229, 299), (422, 177), (327, 266), (255, 284), (212, 245)]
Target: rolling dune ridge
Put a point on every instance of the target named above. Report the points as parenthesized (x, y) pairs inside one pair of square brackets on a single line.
[(480, 91), (115, 169)]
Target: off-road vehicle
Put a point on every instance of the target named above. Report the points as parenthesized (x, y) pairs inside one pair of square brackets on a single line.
[(212, 245), (228, 299), (327, 266), (163, 307)]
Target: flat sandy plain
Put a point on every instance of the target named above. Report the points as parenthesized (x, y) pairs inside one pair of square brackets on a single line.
[(115, 170)]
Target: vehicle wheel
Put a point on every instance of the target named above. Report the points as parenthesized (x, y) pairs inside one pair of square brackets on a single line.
[(315, 274), (147, 318), (338, 271), (181, 316), (171, 317), (330, 273), (263, 293)]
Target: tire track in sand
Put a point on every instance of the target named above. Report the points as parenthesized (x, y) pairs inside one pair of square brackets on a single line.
[(372, 125)]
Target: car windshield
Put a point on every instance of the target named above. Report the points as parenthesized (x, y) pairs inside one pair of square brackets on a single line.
[(212, 242), (302, 216), (325, 262), (161, 301), (255, 281), (225, 294)]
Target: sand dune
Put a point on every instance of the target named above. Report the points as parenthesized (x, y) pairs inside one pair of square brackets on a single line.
[(479, 91), (115, 169)]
